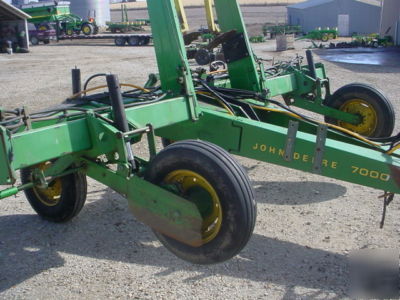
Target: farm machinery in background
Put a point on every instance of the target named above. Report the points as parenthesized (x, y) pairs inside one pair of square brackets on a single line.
[(125, 25), (368, 41), (57, 14), (271, 31), (194, 195), (203, 45), (319, 34)]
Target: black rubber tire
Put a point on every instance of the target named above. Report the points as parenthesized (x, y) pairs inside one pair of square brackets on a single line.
[(232, 186), (46, 42), (73, 197), (69, 32), (202, 57), (120, 41), (142, 41), (166, 142), (34, 41), (134, 41), (371, 95), (146, 41), (87, 29)]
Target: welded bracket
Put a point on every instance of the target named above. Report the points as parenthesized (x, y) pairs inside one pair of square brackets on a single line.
[(190, 93), (7, 174), (290, 140), (39, 179), (235, 48), (320, 148)]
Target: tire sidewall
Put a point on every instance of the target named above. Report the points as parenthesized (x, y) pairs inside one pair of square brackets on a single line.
[(382, 106), (72, 199), (234, 219)]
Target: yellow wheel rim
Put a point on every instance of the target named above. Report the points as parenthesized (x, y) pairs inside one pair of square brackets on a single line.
[(70, 32), (368, 115), (86, 29), (51, 195), (42, 28), (197, 189)]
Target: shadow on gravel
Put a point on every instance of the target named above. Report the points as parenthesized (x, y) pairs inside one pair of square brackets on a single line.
[(296, 192), (30, 246)]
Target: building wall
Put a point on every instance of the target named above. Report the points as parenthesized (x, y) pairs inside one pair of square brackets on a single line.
[(314, 17), (390, 22), (364, 18)]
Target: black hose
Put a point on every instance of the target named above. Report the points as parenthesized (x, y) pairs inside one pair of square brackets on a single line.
[(92, 77), (215, 93)]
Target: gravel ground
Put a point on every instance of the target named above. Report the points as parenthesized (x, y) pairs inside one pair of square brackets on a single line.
[(307, 224)]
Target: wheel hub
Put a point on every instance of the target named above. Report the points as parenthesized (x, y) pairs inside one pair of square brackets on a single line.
[(367, 112), (51, 195), (197, 189)]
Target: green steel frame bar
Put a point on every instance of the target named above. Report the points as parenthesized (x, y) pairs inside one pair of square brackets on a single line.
[(77, 142)]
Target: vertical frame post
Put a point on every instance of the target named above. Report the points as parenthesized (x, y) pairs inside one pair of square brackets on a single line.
[(243, 73)]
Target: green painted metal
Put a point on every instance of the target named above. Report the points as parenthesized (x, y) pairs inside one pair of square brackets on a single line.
[(9, 192), (7, 173), (47, 12), (89, 141), (266, 142), (126, 25), (87, 135), (169, 46), (321, 34), (243, 73), (274, 30), (157, 207)]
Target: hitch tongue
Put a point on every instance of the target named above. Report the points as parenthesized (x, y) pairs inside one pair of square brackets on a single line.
[(387, 199)]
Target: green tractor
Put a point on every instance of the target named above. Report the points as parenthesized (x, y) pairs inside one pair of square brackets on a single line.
[(323, 35), (45, 13)]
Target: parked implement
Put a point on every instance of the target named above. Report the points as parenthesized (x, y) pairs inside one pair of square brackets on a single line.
[(46, 14), (194, 195), (125, 25), (321, 34), (125, 39), (273, 30)]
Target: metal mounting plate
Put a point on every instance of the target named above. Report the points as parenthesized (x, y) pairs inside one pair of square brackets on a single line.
[(235, 48)]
